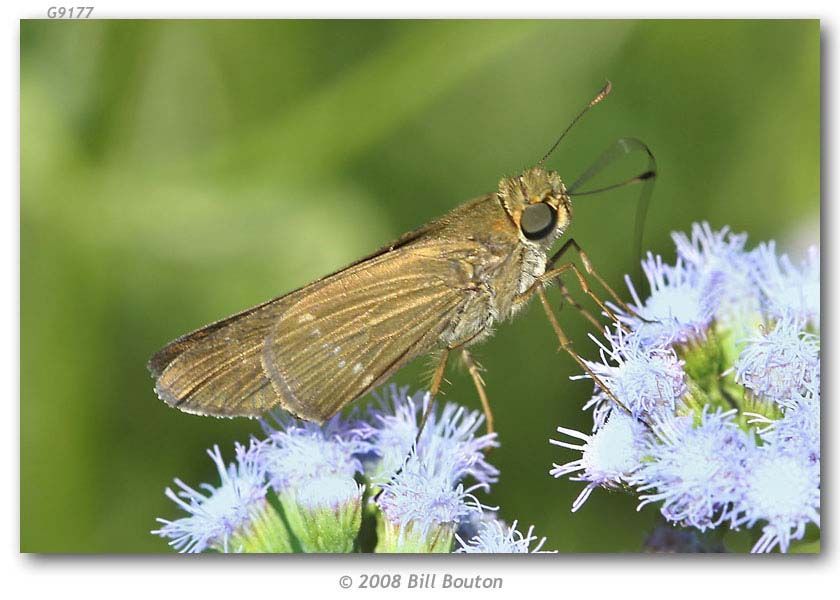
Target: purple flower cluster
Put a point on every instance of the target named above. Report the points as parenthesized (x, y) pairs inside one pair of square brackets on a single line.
[(323, 475), (718, 375), (216, 513)]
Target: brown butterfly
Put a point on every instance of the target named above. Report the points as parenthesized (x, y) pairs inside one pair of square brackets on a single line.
[(440, 288)]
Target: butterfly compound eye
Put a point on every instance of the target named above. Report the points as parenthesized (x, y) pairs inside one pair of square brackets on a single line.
[(538, 220)]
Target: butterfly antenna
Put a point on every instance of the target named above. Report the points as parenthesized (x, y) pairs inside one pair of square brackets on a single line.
[(599, 96)]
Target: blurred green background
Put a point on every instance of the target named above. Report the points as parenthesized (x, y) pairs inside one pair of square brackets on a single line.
[(175, 172)]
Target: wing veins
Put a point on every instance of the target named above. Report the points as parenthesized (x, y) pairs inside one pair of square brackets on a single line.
[(220, 368), (313, 373), (372, 302), (336, 406), (369, 287)]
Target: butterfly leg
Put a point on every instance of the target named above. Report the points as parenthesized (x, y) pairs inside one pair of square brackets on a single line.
[(568, 298), (437, 376), (590, 270), (566, 345), (554, 274), (550, 274), (434, 388), (474, 370)]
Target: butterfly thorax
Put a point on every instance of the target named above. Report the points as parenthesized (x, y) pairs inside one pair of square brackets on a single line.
[(500, 268)]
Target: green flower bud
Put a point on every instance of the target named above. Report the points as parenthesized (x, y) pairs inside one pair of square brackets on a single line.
[(413, 538), (325, 514), (262, 532)]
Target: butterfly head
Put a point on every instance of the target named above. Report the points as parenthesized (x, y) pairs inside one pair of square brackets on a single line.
[(538, 204)]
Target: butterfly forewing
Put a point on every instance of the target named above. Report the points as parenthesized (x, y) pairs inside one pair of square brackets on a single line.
[(320, 347), (352, 333), (217, 370)]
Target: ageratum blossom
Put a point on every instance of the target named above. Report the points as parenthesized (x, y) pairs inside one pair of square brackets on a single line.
[(326, 478), (788, 290), (324, 514), (644, 377), (798, 430), (221, 515), (451, 432), (424, 502), (717, 376), (695, 470), (608, 457), (681, 305), (782, 492), (777, 365), (494, 537), (298, 451), (718, 258)]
